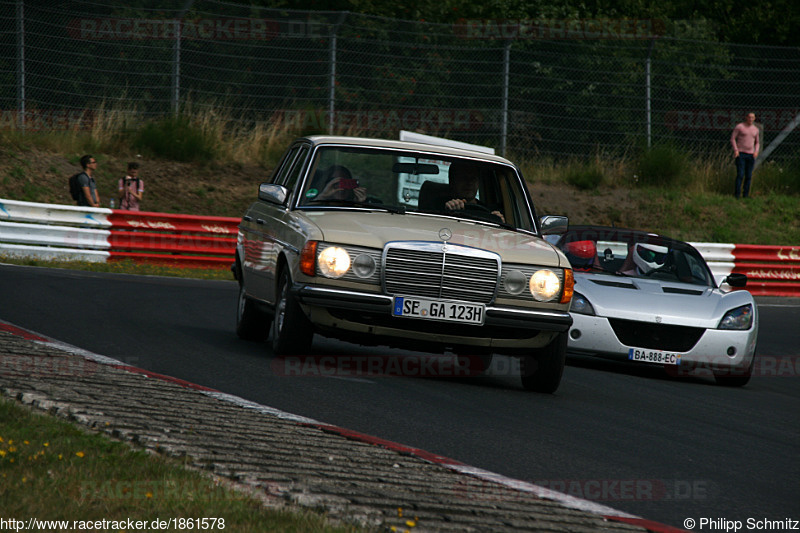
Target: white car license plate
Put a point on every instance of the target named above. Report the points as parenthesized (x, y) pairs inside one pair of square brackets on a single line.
[(654, 356), (465, 313)]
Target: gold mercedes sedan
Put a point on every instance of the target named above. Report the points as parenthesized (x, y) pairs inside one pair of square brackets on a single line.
[(404, 244)]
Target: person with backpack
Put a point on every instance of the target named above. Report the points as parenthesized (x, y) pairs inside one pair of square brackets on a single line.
[(82, 186), (131, 188)]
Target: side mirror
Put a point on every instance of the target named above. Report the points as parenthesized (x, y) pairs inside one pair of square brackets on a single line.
[(554, 225), (274, 194), (736, 280)]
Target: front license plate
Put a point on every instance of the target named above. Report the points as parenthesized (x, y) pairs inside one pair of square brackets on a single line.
[(654, 356), (438, 310)]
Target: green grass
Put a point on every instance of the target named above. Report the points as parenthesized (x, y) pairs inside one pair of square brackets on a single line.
[(125, 267), (52, 470)]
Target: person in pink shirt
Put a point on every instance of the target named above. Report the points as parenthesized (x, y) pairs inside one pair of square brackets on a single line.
[(745, 142), (131, 188)]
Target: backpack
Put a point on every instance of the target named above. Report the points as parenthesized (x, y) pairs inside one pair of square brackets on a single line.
[(74, 188)]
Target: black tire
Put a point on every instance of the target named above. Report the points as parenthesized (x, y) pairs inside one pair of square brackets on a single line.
[(735, 377), (252, 324), (292, 332), (542, 370)]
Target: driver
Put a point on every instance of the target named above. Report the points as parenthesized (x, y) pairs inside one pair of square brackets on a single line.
[(645, 258), (464, 179)]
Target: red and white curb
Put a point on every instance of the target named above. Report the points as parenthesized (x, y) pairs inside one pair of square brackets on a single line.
[(566, 500)]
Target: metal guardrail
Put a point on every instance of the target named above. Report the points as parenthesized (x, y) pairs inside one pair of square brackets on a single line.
[(62, 232)]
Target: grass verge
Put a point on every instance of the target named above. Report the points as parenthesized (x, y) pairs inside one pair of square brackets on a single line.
[(52, 470), (125, 267)]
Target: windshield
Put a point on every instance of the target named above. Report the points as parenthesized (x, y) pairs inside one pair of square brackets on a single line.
[(634, 254), (411, 182)]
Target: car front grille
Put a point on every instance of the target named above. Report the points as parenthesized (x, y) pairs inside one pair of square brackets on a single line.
[(427, 271), (656, 336)]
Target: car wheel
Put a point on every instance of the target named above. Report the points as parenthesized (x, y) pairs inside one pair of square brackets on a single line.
[(542, 370), (735, 377), (291, 330), (252, 324)]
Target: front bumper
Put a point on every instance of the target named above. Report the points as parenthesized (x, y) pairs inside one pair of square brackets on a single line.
[(510, 327), (715, 348)]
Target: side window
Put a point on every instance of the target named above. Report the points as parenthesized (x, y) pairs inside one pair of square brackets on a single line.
[(285, 165), (297, 169)]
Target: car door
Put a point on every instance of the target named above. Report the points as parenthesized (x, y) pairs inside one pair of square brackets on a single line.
[(270, 230)]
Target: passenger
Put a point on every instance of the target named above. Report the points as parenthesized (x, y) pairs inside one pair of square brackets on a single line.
[(337, 184)]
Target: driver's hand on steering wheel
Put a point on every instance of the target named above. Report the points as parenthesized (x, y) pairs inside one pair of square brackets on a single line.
[(456, 204)]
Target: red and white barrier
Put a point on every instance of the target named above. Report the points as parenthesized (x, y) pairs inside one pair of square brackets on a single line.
[(182, 240), (64, 232)]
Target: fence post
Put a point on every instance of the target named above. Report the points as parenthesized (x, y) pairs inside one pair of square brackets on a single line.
[(332, 75), (648, 116), (21, 63), (504, 123), (176, 57)]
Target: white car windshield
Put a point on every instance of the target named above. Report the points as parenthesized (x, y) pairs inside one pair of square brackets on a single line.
[(416, 182)]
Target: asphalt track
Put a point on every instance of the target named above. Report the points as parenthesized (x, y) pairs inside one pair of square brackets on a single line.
[(626, 437)]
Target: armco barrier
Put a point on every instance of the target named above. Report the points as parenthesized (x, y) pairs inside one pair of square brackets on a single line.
[(65, 232), (184, 240)]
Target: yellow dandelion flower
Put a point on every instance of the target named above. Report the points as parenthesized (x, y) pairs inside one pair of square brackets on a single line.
[(411, 523), (148, 495), (60, 457), (25, 442), (400, 512), (393, 529), (1, 439), (2, 453), (80, 454), (46, 444)]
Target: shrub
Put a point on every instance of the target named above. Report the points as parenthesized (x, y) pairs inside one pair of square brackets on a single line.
[(176, 138), (662, 165), (585, 178)]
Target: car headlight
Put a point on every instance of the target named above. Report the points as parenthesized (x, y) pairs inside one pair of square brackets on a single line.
[(364, 266), (545, 285), (333, 262), (581, 305), (515, 282), (739, 318)]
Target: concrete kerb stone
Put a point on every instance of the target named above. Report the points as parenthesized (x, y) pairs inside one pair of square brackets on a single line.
[(283, 459)]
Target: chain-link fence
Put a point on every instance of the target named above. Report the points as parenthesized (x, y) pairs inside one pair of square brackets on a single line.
[(547, 88)]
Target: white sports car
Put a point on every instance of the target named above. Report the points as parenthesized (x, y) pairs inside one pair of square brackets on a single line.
[(653, 300)]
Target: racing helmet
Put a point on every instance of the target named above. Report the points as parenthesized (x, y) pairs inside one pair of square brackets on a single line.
[(649, 256), (581, 254)]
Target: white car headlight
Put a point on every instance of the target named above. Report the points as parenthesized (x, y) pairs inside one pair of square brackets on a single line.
[(739, 318), (581, 305), (545, 285), (333, 262)]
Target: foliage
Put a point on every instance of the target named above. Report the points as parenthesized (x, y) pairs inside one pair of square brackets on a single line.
[(663, 165), (585, 177), (177, 138)]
